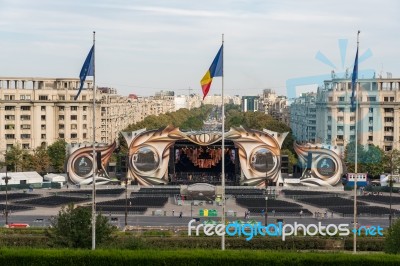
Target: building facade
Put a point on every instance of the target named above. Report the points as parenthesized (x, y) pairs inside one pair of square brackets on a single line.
[(378, 113), (250, 103), (39, 111), (303, 119)]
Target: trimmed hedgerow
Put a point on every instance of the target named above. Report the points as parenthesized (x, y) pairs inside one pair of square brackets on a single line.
[(66, 257)]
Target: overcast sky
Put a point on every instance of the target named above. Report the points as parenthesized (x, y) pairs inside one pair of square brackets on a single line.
[(152, 45)]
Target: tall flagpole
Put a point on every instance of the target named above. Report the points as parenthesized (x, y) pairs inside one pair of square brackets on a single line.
[(94, 149), (223, 149), (356, 156)]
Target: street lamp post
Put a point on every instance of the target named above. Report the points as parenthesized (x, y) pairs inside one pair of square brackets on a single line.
[(266, 211), (390, 200), (126, 202), (6, 178), (191, 209)]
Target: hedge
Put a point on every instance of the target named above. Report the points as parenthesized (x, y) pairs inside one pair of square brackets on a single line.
[(63, 257)]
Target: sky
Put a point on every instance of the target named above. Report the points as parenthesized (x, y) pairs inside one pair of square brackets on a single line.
[(143, 47)]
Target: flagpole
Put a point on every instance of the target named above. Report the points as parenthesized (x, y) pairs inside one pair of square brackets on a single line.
[(94, 150), (356, 155), (223, 150)]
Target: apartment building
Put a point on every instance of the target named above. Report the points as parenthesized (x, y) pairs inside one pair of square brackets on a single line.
[(303, 119), (39, 111), (378, 112)]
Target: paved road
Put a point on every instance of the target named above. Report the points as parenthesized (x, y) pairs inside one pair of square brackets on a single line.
[(140, 220)]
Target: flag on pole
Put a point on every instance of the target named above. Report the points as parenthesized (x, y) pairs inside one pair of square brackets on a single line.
[(87, 70), (354, 78), (215, 70)]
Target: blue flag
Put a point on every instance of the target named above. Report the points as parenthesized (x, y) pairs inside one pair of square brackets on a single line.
[(354, 78), (87, 70)]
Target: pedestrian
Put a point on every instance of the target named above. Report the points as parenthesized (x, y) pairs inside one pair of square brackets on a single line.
[(301, 213), (273, 213), (173, 212), (180, 214)]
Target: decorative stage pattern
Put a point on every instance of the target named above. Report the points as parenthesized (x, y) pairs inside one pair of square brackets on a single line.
[(259, 153), (323, 167), (80, 163)]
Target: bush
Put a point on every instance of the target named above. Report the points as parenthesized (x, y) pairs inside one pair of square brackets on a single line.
[(392, 242)]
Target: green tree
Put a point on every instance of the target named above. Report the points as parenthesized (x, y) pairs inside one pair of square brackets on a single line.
[(392, 240), (40, 160), (56, 152), (14, 158), (72, 228), (392, 161), (292, 159)]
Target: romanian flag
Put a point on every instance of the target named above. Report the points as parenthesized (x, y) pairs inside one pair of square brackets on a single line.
[(215, 70)]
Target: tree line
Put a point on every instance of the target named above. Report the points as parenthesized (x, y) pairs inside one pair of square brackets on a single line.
[(42, 160)]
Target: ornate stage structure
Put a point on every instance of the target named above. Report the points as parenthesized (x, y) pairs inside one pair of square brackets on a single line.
[(169, 156)]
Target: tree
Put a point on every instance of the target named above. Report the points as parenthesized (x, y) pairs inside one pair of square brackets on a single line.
[(14, 158), (392, 240), (56, 152), (72, 228), (292, 159), (392, 161), (40, 159)]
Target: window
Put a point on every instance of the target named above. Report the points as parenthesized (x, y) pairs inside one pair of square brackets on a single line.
[(61, 97), (74, 117), (10, 136), (61, 135), (25, 117), (43, 117), (9, 117), (370, 138), (25, 146), (388, 138), (340, 119), (341, 109), (389, 119), (330, 99), (74, 135), (84, 117), (61, 126), (43, 97), (371, 110), (84, 126), (84, 108), (83, 97), (74, 126), (84, 135), (25, 126), (388, 110), (43, 127), (329, 127), (74, 108), (391, 99), (43, 136), (352, 137), (9, 97), (329, 118), (352, 118), (385, 99), (25, 136), (371, 99), (352, 128), (341, 99), (9, 126), (388, 129), (9, 108), (340, 137), (61, 117), (61, 108), (340, 128), (25, 108), (43, 108), (370, 129), (371, 120)]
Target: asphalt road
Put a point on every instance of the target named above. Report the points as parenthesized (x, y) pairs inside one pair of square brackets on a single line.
[(140, 220)]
